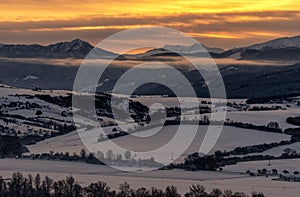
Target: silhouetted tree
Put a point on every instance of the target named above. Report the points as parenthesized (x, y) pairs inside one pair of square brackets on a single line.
[(83, 154), (99, 189), (3, 187), (37, 184), (216, 192), (142, 192), (296, 173), (71, 188), (125, 190), (285, 172), (38, 112), (16, 185), (274, 171), (47, 187), (157, 192), (255, 194), (58, 188), (227, 193), (196, 191), (20, 186), (171, 191)]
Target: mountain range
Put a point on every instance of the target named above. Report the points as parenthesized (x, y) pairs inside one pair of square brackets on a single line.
[(281, 49), (242, 80)]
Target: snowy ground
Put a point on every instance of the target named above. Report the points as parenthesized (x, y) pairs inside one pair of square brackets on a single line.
[(23, 104), (264, 117), (7, 90), (254, 117), (173, 101), (230, 138), (282, 164), (87, 173), (277, 151)]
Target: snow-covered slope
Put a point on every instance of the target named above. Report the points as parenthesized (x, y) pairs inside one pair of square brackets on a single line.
[(196, 48), (281, 49), (279, 43)]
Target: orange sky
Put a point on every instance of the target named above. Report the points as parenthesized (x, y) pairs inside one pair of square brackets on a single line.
[(223, 23)]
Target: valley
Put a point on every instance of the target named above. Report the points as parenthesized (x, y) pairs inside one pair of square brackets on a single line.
[(260, 132)]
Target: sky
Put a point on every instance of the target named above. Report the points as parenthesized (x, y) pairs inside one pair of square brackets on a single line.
[(216, 23)]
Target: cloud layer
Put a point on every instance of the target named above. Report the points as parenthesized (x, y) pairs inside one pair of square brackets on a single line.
[(222, 23)]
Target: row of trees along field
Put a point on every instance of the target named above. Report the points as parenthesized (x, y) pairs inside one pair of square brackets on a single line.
[(20, 186)]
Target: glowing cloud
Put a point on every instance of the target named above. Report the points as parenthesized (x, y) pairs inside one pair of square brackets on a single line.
[(244, 21)]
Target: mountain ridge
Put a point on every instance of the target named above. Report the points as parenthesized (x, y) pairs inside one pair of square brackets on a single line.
[(76, 48), (279, 49)]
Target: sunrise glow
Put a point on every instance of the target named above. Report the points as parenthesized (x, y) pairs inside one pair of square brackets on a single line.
[(48, 21)]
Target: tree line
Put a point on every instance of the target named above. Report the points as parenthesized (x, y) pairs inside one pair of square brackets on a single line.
[(21, 186)]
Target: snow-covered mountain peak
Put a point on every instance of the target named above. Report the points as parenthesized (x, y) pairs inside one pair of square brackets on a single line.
[(279, 43), (76, 44)]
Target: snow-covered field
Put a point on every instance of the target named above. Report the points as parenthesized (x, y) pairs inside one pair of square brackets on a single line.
[(70, 142), (277, 151), (8, 90), (87, 173), (173, 101), (259, 118), (264, 117), (254, 117), (230, 138), (282, 164), (23, 106)]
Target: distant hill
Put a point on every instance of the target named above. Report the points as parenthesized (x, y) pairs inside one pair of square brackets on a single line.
[(281, 49), (74, 49), (198, 50), (241, 80)]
